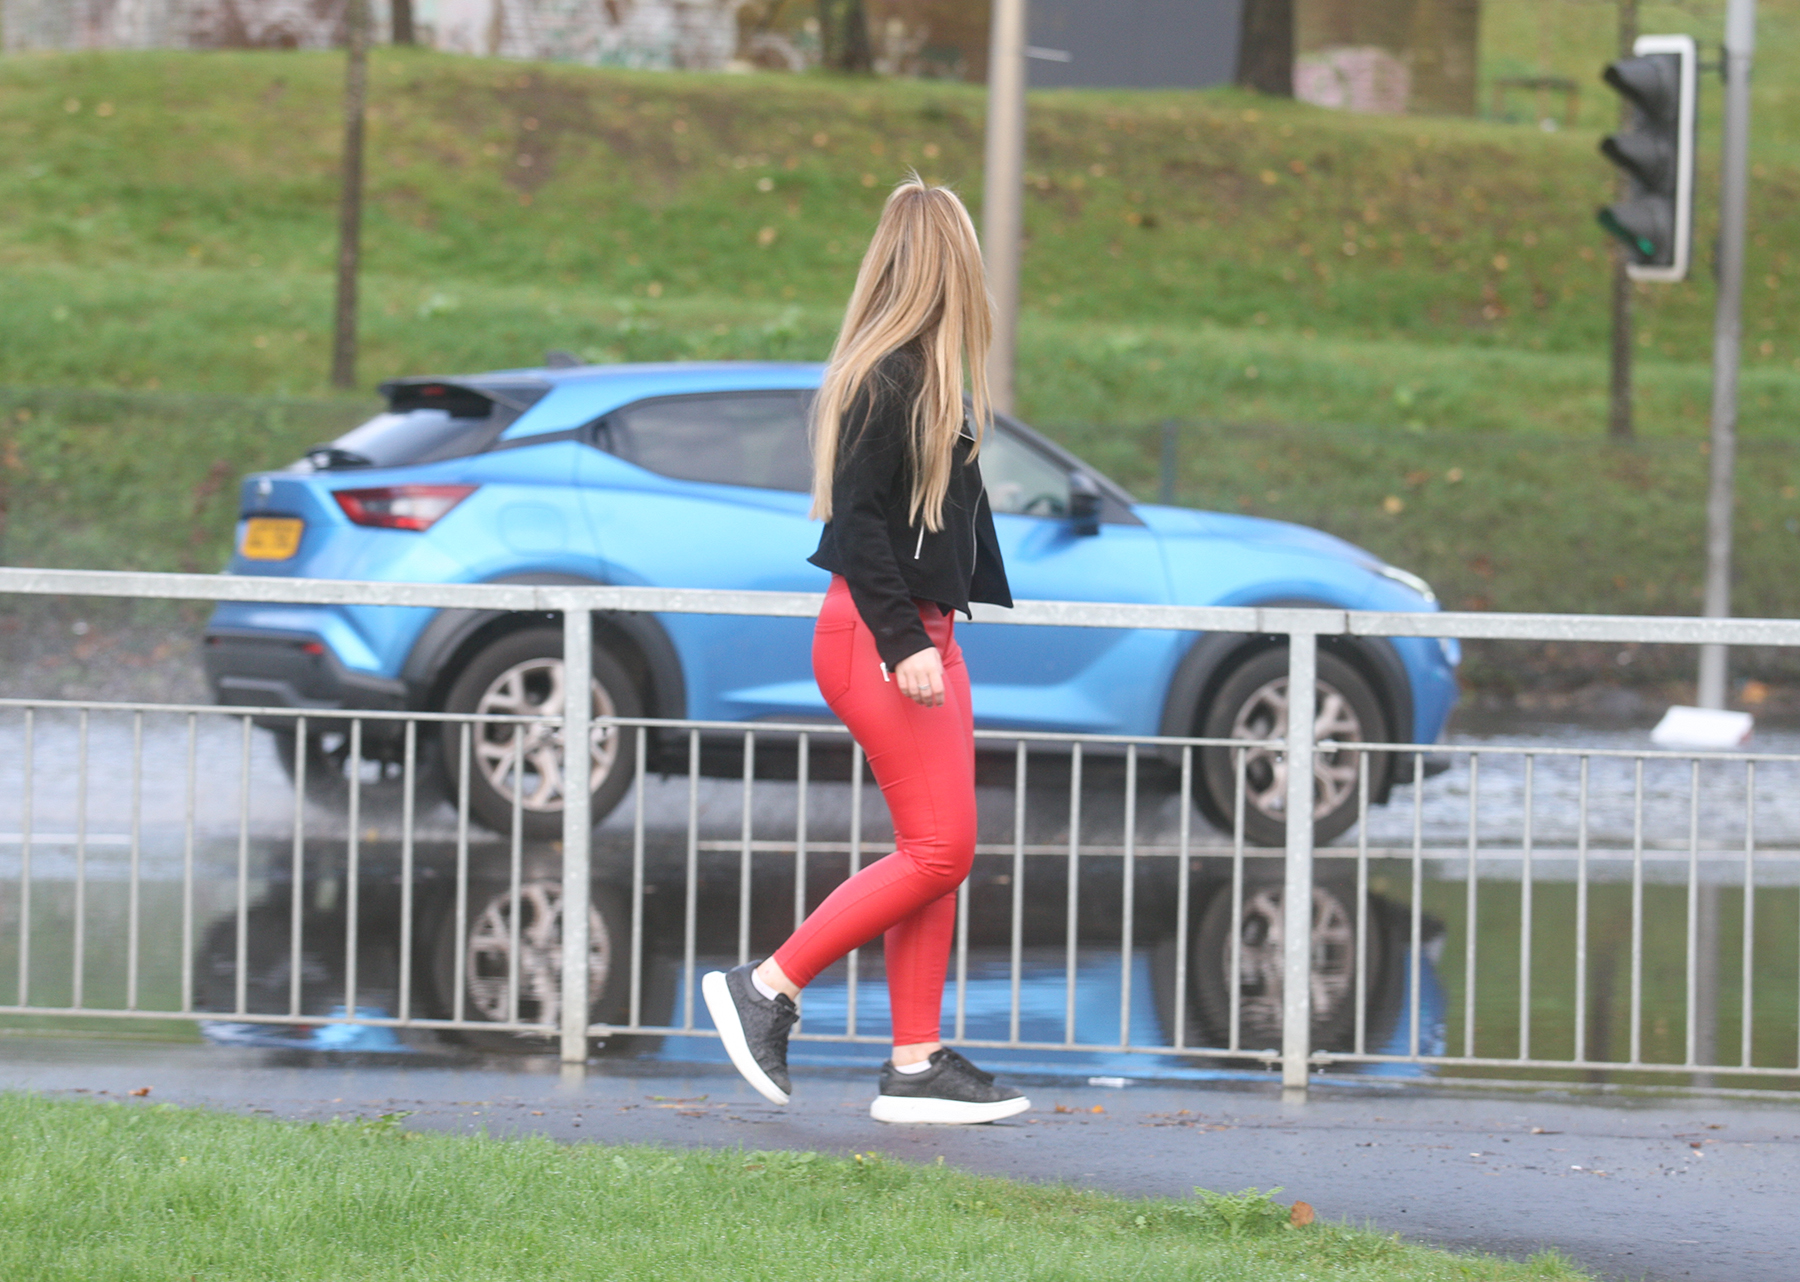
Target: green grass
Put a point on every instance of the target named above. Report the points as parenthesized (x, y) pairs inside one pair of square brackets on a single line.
[(92, 1192), (1345, 309), (186, 236)]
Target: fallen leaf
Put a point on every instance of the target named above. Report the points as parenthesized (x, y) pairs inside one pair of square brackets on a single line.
[(145, 1090), (1064, 1108), (1301, 1215), (1098, 1108)]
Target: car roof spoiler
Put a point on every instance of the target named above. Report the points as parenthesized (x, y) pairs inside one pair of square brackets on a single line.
[(463, 398)]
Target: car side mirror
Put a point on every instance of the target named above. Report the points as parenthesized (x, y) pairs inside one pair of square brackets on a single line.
[(1084, 505)]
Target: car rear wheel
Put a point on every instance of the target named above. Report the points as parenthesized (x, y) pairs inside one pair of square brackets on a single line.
[(521, 675), (491, 985), (1252, 704)]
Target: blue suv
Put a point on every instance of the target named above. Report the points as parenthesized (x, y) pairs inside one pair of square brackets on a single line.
[(696, 476)]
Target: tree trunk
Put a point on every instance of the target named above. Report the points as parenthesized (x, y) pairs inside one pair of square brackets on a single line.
[(1445, 34), (1266, 47), (403, 23), (844, 36), (356, 96)]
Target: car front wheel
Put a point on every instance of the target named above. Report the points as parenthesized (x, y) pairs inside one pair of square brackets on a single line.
[(521, 675), (1260, 945), (1252, 705)]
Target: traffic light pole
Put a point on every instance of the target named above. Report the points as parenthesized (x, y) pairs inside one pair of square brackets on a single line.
[(1618, 417), (1003, 192), (1740, 44)]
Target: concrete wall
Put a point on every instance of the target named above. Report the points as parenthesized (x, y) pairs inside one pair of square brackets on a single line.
[(1147, 44), (696, 34)]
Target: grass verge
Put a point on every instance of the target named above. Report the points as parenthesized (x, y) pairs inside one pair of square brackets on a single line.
[(95, 1192), (172, 219)]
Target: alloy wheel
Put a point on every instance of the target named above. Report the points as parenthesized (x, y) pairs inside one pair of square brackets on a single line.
[(532, 752), (1262, 961), (1264, 716), (538, 923)]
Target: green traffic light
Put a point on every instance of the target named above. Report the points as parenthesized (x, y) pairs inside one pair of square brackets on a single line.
[(1643, 245)]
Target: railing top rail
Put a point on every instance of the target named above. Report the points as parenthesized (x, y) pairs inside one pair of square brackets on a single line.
[(553, 598)]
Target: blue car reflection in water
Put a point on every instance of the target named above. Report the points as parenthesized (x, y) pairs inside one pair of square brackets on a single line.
[(1046, 1003), (1043, 1008)]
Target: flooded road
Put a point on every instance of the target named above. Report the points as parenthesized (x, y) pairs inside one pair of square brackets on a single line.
[(209, 830)]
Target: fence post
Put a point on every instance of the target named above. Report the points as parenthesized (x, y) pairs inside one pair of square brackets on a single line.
[(578, 714), (1297, 893)]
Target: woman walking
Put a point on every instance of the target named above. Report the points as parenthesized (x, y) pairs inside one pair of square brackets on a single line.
[(909, 540)]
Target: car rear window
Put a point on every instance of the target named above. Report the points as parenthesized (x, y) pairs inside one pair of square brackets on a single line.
[(739, 438), (425, 423)]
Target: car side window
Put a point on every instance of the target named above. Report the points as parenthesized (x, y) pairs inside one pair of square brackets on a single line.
[(736, 438), (1020, 480)]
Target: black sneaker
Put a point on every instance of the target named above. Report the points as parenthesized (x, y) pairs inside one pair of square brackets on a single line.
[(952, 1092), (754, 1029)]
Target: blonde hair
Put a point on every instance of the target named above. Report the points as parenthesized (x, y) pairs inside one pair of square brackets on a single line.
[(920, 281)]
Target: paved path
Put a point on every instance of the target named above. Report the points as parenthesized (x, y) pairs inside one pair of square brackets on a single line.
[(1632, 1188)]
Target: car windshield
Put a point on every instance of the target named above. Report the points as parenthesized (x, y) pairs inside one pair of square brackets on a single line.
[(1020, 480)]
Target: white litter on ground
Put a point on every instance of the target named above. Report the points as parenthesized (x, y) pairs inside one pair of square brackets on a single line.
[(1702, 728)]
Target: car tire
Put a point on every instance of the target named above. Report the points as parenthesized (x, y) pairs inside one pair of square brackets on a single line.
[(484, 962), (1251, 704), (382, 767), (1260, 966), (520, 674)]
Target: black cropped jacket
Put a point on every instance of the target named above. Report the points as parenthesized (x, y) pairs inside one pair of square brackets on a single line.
[(888, 559)]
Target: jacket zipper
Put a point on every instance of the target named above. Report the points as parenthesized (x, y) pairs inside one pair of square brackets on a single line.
[(920, 545)]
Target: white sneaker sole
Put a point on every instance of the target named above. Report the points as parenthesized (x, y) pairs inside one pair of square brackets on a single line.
[(731, 1032), (942, 1112)]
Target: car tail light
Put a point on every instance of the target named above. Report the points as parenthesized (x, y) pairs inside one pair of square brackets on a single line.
[(401, 507)]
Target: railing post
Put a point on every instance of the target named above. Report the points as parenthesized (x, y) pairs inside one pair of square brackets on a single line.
[(1297, 893), (578, 714)]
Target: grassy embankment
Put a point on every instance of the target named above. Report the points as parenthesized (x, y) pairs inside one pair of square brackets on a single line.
[(1391, 328), (111, 1191)]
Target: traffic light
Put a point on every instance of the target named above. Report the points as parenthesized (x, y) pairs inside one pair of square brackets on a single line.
[(1656, 153)]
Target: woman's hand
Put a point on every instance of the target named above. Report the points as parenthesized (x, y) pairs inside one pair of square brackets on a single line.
[(921, 677)]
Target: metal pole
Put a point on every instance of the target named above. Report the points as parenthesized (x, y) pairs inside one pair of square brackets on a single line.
[(1740, 43), (578, 715), (1618, 419), (1296, 898), (1002, 200), (356, 98)]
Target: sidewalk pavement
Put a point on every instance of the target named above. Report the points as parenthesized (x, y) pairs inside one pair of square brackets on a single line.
[(1630, 1186)]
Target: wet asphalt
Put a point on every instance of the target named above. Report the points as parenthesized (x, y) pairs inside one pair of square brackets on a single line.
[(1631, 1186)]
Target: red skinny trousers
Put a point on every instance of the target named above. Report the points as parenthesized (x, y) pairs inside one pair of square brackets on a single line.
[(924, 760)]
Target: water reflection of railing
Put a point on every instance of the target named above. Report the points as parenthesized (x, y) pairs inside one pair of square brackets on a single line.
[(1539, 941)]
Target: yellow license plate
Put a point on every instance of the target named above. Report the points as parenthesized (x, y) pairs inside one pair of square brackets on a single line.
[(271, 538)]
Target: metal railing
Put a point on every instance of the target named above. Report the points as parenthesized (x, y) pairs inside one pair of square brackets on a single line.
[(1274, 991)]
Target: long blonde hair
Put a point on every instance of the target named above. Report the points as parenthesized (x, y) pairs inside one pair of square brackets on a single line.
[(920, 281)]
